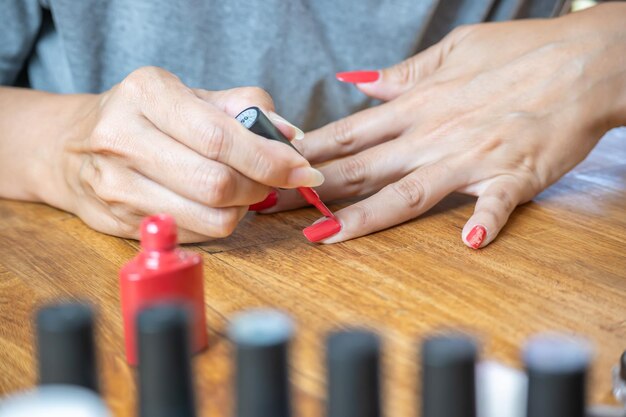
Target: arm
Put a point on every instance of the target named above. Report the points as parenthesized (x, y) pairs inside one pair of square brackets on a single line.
[(150, 144), (500, 111)]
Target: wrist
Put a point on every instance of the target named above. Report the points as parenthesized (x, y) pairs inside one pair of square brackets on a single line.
[(599, 32), (52, 169)]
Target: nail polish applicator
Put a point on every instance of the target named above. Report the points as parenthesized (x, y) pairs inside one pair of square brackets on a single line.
[(257, 122), (353, 366), (448, 376), (261, 341)]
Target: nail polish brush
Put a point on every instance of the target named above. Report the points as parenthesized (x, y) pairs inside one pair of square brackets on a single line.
[(257, 122)]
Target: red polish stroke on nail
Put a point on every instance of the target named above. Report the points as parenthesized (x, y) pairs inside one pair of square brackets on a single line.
[(476, 236), (270, 201), (356, 77), (322, 230), (319, 231)]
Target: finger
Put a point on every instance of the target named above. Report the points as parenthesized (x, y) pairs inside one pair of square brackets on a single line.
[(354, 133), (189, 174), (493, 208), (398, 79), (128, 194), (367, 171), (178, 112), (235, 100), (398, 202)]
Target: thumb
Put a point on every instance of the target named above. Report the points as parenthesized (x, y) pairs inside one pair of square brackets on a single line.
[(391, 82)]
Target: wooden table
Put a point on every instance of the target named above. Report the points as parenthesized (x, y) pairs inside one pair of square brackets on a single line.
[(559, 264)]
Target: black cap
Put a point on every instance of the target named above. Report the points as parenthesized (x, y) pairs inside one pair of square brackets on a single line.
[(257, 122), (165, 378), (622, 366), (557, 371), (448, 376), (65, 344), (261, 339), (353, 364)]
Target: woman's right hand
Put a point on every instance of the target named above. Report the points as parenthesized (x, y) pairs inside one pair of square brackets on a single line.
[(152, 144)]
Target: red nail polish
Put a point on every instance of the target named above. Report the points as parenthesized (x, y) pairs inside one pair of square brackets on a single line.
[(162, 272), (270, 201), (357, 77), (476, 236), (322, 230)]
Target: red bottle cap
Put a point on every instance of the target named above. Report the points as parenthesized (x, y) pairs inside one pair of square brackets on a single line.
[(158, 233)]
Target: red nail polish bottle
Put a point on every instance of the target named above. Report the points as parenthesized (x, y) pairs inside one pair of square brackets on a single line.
[(162, 272)]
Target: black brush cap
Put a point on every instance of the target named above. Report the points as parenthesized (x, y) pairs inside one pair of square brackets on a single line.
[(165, 375), (448, 376), (257, 122), (622, 366), (557, 372), (261, 338), (65, 345), (353, 366)]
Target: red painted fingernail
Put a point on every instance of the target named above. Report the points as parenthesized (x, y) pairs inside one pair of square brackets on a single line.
[(270, 201), (322, 230), (476, 236), (357, 77)]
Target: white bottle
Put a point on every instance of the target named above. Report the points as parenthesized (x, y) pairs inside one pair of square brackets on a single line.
[(54, 401)]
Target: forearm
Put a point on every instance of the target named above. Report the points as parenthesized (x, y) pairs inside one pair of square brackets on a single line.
[(33, 129)]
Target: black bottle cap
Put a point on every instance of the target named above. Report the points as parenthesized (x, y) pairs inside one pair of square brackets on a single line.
[(165, 375), (65, 343), (557, 371), (257, 122), (261, 339), (353, 366), (622, 366), (448, 376)]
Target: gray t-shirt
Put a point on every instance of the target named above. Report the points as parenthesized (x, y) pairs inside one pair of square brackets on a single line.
[(291, 48)]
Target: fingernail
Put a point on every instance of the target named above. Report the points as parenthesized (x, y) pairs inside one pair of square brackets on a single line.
[(270, 201), (279, 119), (358, 77), (476, 236), (322, 230), (306, 177)]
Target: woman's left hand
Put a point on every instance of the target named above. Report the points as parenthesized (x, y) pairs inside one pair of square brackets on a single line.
[(499, 111)]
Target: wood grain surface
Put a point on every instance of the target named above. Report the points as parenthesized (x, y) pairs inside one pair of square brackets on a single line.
[(560, 264)]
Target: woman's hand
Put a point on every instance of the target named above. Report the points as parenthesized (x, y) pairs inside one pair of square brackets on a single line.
[(499, 111), (151, 144)]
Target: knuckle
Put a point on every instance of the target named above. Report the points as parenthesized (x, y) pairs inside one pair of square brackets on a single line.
[(406, 72), (227, 220), (107, 184), (256, 95), (216, 182), (342, 132), (364, 215), (506, 200), (265, 167), (462, 31), (213, 140), (106, 137), (135, 84), (411, 190), (354, 170), (125, 229), (141, 81)]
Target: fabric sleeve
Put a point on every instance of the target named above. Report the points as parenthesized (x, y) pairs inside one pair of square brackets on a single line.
[(20, 21)]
